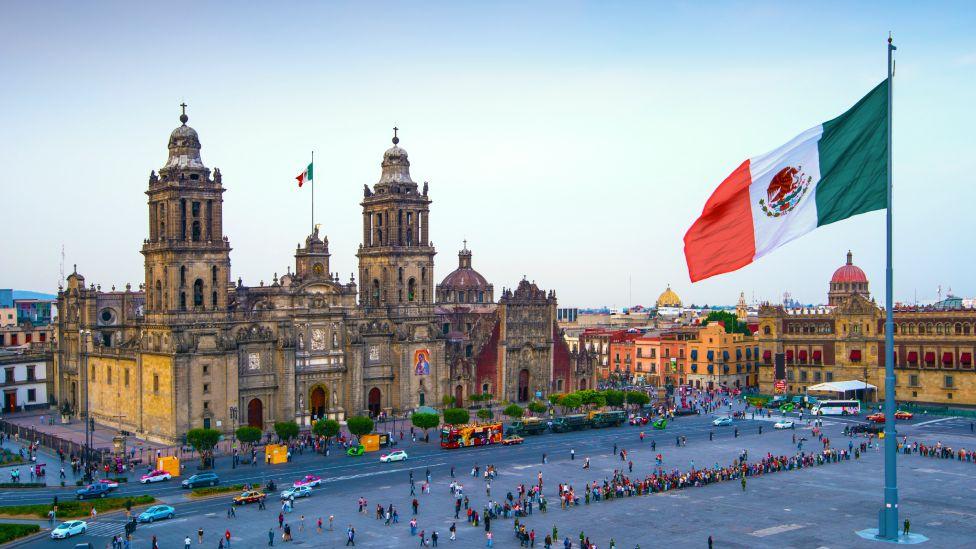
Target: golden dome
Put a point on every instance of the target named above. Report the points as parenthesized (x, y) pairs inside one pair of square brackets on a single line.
[(668, 299)]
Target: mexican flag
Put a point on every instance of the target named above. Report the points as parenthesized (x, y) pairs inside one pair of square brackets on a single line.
[(830, 172), (306, 176)]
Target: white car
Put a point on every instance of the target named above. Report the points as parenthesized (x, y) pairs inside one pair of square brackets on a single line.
[(783, 424), (722, 422), (156, 476), (68, 529), (296, 492), (398, 455)]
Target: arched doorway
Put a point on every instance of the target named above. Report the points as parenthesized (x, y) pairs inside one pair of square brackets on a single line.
[(459, 396), (523, 385), (316, 402), (374, 401), (582, 384), (255, 413)]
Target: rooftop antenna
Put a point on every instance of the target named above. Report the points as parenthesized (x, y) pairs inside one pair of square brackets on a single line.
[(938, 292), (62, 264)]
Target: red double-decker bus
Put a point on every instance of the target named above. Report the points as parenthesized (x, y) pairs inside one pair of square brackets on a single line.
[(479, 434)]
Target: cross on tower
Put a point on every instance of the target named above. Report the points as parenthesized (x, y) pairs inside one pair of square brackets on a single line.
[(465, 243), (183, 105), (396, 139)]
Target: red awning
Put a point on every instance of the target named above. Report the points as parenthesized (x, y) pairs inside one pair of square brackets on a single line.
[(930, 357), (912, 357), (767, 355), (856, 355), (966, 359), (947, 358), (803, 357), (816, 356), (789, 356)]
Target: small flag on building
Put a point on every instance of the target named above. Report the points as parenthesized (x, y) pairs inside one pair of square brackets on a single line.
[(306, 176), (830, 172)]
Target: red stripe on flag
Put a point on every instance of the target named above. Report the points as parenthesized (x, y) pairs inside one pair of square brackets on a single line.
[(301, 179), (722, 239)]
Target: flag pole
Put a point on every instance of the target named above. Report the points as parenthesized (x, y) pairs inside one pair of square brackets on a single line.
[(888, 523), (313, 190)]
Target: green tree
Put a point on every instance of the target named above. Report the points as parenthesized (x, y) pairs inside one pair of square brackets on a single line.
[(513, 411), (456, 416), (248, 434), (485, 414), (729, 321), (537, 407), (475, 398), (637, 398), (360, 425), (554, 398), (448, 400), (286, 430), (614, 397), (203, 441), (425, 421), (570, 402), (327, 428)]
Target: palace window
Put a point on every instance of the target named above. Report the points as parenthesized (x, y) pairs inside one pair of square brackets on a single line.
[(156, 383), (182, 276), (31, 395), (195, 234), (126, 377), (913, 380), (948, 382), (108, 375), (411, 289)]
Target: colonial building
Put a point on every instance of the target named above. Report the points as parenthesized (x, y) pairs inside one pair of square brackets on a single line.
[(194, 348), (720, 359), (843, 341)]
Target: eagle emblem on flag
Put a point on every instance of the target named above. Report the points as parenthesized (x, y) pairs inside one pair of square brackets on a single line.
[(785, 191)]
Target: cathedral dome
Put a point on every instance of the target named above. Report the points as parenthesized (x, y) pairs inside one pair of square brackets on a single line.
[(184, 147), (668, 298), (849, 272), (396, 165), (464, 277)]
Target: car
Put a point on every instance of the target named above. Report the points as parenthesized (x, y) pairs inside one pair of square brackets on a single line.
[(639, 420), (901, 414), (512, 439), (356, 450), (201, 479), (156, 512), (788, 407), (296, 492), (660, 423), (873, 428), (308, 480), (249, 496), (69, 528), (877, 418), (97, 490), (396, 455), (112, 484), (784, 424), (156, 476), (722, 421)]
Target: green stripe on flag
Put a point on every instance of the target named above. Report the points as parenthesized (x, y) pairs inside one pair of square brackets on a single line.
[(308, 172), (854, 160)]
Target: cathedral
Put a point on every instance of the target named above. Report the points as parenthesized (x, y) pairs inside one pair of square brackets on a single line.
[(192, 347)]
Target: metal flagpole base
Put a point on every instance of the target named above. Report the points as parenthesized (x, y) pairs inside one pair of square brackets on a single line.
[(904, 539)]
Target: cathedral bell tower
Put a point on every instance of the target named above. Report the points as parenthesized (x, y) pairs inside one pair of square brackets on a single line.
[(187, 256), (396, 260)]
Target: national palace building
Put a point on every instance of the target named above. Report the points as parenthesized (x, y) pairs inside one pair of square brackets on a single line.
[(193, 347), (844, 340)]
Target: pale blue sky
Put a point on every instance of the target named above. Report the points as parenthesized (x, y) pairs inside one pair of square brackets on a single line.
[(573, 142)]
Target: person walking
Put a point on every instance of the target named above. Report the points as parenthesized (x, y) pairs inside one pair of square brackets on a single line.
[(350, 536), (186, 542), (226, 537), (200, 536), (907, 527), (270, 537), (453, 531), (433, 538), (491, 541), (572, 454), (743, 483), (709, 542)]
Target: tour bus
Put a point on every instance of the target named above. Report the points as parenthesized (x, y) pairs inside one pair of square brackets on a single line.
[(480, 434), (837, 407)]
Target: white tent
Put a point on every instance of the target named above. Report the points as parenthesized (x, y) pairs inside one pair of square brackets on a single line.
[(841, 387)]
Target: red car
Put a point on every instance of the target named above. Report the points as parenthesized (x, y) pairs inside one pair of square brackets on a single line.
[(512, 439), (309, 480), (900, 414), (638, 420), (109, 483), (877, 418)]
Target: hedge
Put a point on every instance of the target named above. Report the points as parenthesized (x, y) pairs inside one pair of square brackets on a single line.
[(10, 532), (70, 509), (214, 490), (22, 485)]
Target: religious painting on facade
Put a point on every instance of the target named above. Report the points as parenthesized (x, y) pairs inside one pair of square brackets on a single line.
[(254, 361), (421, 362), (318, 339), (374, 353)]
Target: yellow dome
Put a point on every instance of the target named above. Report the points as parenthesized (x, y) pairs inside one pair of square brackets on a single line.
[(668, 298)]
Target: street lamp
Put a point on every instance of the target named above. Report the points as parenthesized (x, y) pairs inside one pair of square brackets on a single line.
[(85, 335)]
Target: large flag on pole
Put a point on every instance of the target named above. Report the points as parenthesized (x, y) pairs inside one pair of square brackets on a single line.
[(830, 172), (306, 176)]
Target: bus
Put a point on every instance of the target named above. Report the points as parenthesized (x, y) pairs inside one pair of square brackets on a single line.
[(462, 436), (837, 407)]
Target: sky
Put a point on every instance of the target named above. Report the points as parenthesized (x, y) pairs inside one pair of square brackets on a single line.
[(573, 143)]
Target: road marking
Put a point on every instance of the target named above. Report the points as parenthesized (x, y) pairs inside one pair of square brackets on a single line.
[(773, 530), (933, 421)]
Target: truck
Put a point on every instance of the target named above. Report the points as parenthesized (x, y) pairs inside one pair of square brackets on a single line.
[(527, 426), (608, 419), (574, 422)]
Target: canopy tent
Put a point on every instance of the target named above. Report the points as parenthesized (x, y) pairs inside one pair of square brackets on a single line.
[(844, 388)]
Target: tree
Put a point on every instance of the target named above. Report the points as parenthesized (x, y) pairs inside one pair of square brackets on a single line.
[(637, 398), (614, 397), (571, 401), (475, 398), (537, 407), (248, 434), (327, 428), (730, 321), (360, 425), (485, 414), (554, 398), (425, 421), (203, 441), (513, 411), (448, 400), (456, 416), (286, 430)]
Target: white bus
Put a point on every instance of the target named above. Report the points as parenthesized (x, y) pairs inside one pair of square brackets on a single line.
[(836, 407)]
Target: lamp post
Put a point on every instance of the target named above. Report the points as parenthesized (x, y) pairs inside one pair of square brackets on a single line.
[(84, 336)]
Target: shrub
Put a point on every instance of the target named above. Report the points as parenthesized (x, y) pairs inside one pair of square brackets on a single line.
[(448, 400), (327, 428), (513, 411), (456, 416), (10, 532), (614, 397), (571, 401), (286, 430), (203, 441), (637, 398), (248, 434), (70, 509), (425, 421), (213, 490), (485, 413), (360, 425), (537, 407)]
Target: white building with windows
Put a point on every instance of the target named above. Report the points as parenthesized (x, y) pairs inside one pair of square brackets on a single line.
[(25, 381)]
